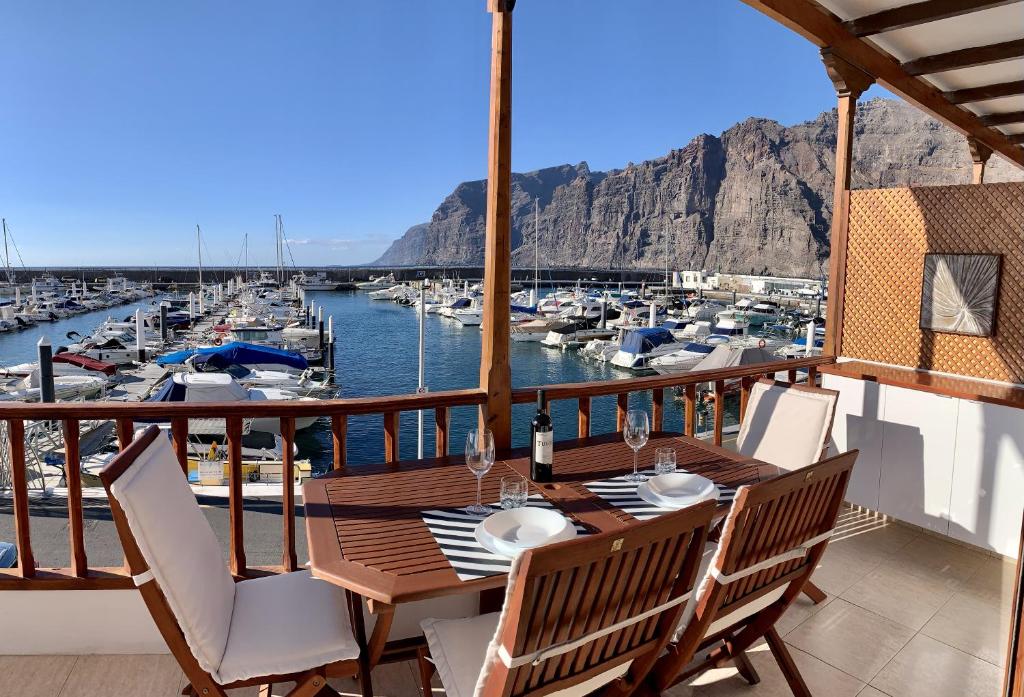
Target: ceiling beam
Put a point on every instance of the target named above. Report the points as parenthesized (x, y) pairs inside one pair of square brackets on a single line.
[(980, 94), (1003, 119), (1017, 139), (917, 13), (965, 58), (824, 29)]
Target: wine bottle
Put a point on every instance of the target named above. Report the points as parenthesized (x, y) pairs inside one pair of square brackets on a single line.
[(542, 438)]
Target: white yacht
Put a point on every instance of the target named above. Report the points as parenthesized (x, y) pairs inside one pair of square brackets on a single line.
[(682, 359), (537, 329), (377, 283), (317, 281)]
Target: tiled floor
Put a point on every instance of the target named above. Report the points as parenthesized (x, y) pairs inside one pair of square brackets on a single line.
[(908, 615)]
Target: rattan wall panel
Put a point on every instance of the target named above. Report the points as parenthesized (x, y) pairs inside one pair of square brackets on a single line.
[(890, 232)]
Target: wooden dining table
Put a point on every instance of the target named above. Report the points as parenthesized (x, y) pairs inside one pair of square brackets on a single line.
[(365, 530)]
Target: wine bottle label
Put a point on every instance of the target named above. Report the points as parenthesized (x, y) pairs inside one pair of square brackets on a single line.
[(543, 447)]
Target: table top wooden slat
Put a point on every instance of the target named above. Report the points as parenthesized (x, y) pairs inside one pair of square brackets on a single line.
[(365, 528)]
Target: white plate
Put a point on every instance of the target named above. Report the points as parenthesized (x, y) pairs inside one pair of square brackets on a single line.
[(677, 490), (527, 527), (503, 549)]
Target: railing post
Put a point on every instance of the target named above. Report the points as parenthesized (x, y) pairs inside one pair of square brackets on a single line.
[(791, 376), (657, 409), (583, 417), (124, 432), (288, 558), (719, 410), (179, 434), (690, 410), (73, 475), (19, 489), (441, 419), (621, 407), (391, 436), (235, 508), (339, 431), (812, 375)]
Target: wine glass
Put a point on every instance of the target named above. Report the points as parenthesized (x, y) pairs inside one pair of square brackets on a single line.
[(635, 431), (479, 459)]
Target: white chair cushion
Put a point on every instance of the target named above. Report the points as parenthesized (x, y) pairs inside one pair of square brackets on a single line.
[(785, 427), (285, 624), (176, 541), (711, 552), (459, 650)]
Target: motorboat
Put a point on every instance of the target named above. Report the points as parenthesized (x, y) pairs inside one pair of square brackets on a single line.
[(537, 329), (576, 333), (317, 281), (681, 360), (377, 283), (469, 316), (221, 387), (65, 387), (704, 309), (755, 313), (251, 356), (639, 346), (388, 293)]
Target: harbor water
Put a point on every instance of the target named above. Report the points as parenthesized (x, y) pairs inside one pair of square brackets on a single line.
[(376, 345)]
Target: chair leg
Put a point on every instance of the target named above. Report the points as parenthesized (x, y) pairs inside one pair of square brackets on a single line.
[(426, 671), (816, 595), (266, 690), (786, 664), (746, 668)]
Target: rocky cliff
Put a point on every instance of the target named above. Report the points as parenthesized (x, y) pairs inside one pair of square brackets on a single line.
[(756, 199)]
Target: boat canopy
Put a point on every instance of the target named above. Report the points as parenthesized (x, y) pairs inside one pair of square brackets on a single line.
[(237, 353), (460, 303), (674, 324), (726, 356), (694, 347), (200, 387), (644, 340), (86, 362)]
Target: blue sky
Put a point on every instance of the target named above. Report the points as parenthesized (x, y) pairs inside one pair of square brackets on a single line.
[(123, 124)]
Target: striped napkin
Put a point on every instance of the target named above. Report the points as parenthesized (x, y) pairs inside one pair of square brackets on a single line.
[(621, 493), (453, 529)]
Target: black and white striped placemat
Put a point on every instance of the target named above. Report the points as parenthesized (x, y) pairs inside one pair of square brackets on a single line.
[(454, 529), (621, 493)]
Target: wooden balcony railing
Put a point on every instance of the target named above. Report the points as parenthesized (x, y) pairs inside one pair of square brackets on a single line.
[(80, 576)]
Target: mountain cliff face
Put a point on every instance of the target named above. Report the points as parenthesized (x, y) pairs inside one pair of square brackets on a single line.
[(756, 199)]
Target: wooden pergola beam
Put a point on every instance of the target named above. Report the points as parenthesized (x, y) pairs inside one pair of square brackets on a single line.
[(495, 368), (965, 58), (824, 29), (980, 94), (917, 13), (1017, 139), (1003, 119)]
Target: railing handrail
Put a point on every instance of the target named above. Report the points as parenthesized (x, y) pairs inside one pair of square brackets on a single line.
[(353, 406), (599, 388)]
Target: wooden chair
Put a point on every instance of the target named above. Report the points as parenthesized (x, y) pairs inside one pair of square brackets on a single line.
[(788, 426), (774, 537), (282, 628), (579, 616)]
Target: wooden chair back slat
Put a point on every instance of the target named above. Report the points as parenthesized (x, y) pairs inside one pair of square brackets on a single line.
[(571, 590), (233, 427)]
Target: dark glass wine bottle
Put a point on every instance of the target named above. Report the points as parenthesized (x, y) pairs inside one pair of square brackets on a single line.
[(542, 437)]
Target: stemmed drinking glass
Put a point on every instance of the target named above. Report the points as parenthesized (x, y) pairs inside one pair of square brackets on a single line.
[(635, 431), (479, 459)]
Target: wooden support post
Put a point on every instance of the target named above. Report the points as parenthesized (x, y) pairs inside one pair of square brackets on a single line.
[(73, 475), (339, 429), (235, 508), (19, 491), (495, 370), (979, 157), (791, 376), (690, 412), (391, 436), (812, 375), (179, 434), (657, 409), (849, 82), (441, 420), (583, 417), (288, 558), (719, 410), (621, 407)]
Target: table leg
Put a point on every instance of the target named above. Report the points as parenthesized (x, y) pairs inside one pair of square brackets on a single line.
[(381, 629)]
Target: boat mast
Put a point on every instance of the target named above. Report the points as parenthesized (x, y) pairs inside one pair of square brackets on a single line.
[(7, 256), (245, 255), (536, 245), (199, 247), (666, 264)]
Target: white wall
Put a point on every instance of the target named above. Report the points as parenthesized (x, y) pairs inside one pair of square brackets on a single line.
[(950, 465)]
